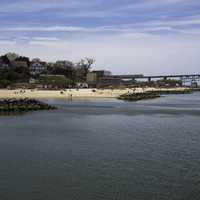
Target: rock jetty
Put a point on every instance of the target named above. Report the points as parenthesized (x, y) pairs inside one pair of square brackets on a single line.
[(151, 94), (23, 105), (180, 91), (139, 96)]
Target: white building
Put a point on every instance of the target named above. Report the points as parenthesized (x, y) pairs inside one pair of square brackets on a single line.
[(37, 67)]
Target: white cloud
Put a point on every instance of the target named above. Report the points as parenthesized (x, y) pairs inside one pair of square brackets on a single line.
[(141, 47), (44, 29), (122, 53), (45, 39), (38, 5), (146, 27), (7, 42), (152, 4)]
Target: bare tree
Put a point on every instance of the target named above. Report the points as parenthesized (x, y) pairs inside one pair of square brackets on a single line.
[(83, 67)]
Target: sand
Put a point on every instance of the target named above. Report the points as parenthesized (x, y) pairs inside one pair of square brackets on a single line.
[(73, 93)]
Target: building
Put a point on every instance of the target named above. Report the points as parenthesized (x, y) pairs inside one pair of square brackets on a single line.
[(4, 63), (106, 82), (194, 84), (37, 67), (94, 77), (82, 85)]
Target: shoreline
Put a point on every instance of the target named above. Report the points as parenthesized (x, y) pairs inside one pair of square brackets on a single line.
[(79, 93), (61, 94)]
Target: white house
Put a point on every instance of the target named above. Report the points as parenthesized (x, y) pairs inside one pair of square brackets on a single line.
[(37, 67)]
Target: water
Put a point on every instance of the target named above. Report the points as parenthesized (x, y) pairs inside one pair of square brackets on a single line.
[(103, 149)]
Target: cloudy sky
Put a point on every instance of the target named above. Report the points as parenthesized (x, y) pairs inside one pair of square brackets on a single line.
[(124, 36)]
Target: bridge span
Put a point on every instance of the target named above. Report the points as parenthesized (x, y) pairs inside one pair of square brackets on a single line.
[(185, 78), (140, 76)]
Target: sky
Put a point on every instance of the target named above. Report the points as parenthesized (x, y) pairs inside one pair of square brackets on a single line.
[(151, 37)]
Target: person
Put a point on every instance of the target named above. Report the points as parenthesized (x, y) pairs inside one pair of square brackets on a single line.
[(70, 97)]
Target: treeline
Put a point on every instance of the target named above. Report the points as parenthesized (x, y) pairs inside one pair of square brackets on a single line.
[(76, 72), (20, 69)]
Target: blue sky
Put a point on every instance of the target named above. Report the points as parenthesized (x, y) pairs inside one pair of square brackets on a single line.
[(125, 36)]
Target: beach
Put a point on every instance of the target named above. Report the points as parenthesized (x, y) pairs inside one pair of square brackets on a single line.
[(77, 93)]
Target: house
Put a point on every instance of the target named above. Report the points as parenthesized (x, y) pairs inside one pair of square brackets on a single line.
[(37, 67), (194, 84), (105, 82), (94, 77), (4, 63), (82, 85)]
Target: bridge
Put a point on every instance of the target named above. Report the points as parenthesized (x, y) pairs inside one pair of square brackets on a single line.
[(184, 78)]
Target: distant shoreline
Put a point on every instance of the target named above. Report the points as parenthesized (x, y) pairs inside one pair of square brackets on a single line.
[(77, 93)]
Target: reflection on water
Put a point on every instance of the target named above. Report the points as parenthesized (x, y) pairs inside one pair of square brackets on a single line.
[(103, 149)]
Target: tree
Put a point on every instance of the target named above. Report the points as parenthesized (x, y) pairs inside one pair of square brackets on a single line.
[(83, 67), (65, 67), (16, 68), (24, 59)]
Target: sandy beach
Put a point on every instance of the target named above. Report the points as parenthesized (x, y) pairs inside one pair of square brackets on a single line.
[(68, 93), (74, 93)]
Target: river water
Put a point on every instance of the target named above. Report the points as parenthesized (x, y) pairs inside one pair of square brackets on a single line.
[(103, 149)]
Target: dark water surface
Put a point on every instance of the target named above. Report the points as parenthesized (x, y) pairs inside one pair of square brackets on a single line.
[(103, 149)]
